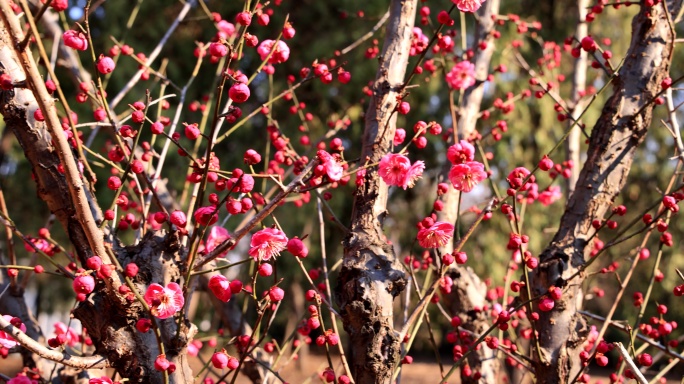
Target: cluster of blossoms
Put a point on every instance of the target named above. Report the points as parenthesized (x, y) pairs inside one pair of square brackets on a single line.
[(465, 173), (419, 42), (468, 5), (67, 336), (224, 289), (396, 169), (41, 244), (222, 360)]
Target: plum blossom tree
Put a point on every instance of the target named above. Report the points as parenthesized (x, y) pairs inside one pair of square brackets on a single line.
[(164, 200)]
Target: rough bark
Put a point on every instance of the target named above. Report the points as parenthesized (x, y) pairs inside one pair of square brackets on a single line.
[(469, 291), (109, 318), (620, 129), (112, 329), (371, 276)]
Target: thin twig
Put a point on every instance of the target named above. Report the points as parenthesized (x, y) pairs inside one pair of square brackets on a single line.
[(625, 355), (641, 337), (366, 36), (226, 245), (324, 261), (8, 239)]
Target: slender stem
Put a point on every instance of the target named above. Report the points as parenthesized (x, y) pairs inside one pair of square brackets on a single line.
[(30, 32), (8, 239), (324, 262)]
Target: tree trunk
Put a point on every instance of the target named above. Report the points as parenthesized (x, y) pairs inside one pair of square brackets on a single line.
[(469, 291), (371, 276), (112, 328), (622, 126), (107, 315)]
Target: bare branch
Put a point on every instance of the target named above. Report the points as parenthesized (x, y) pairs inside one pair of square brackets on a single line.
[(66, 158), (367, 35), (625, 355), (89, 362)]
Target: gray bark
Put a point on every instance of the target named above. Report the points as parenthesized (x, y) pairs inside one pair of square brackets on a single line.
[(371, 276), (622, 126), (469, 291)]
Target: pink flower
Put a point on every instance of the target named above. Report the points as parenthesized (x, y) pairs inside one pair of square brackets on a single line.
[(276, 294), (297, 248), (83, 285), (516, 177), (206, 215), (244, 18), (41, 244), (164, 302), (7, 341), (435, 236), (100, 380), (217, 235), (280, 54), (239, 92), (550, 195), (393, 168), (105, 65), (178, 219), (419, 42), (76, 40), (468, 5), (267, 243), (466, 176), (461, 76), (446, 284), (218, 49), (399, 136), (70, 334), (546, 304), (220, 287), (194, 348), (414, 173), (219, 360), (396, 169), (461, 152), (227, 28), (20, 378), (332, 168)]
